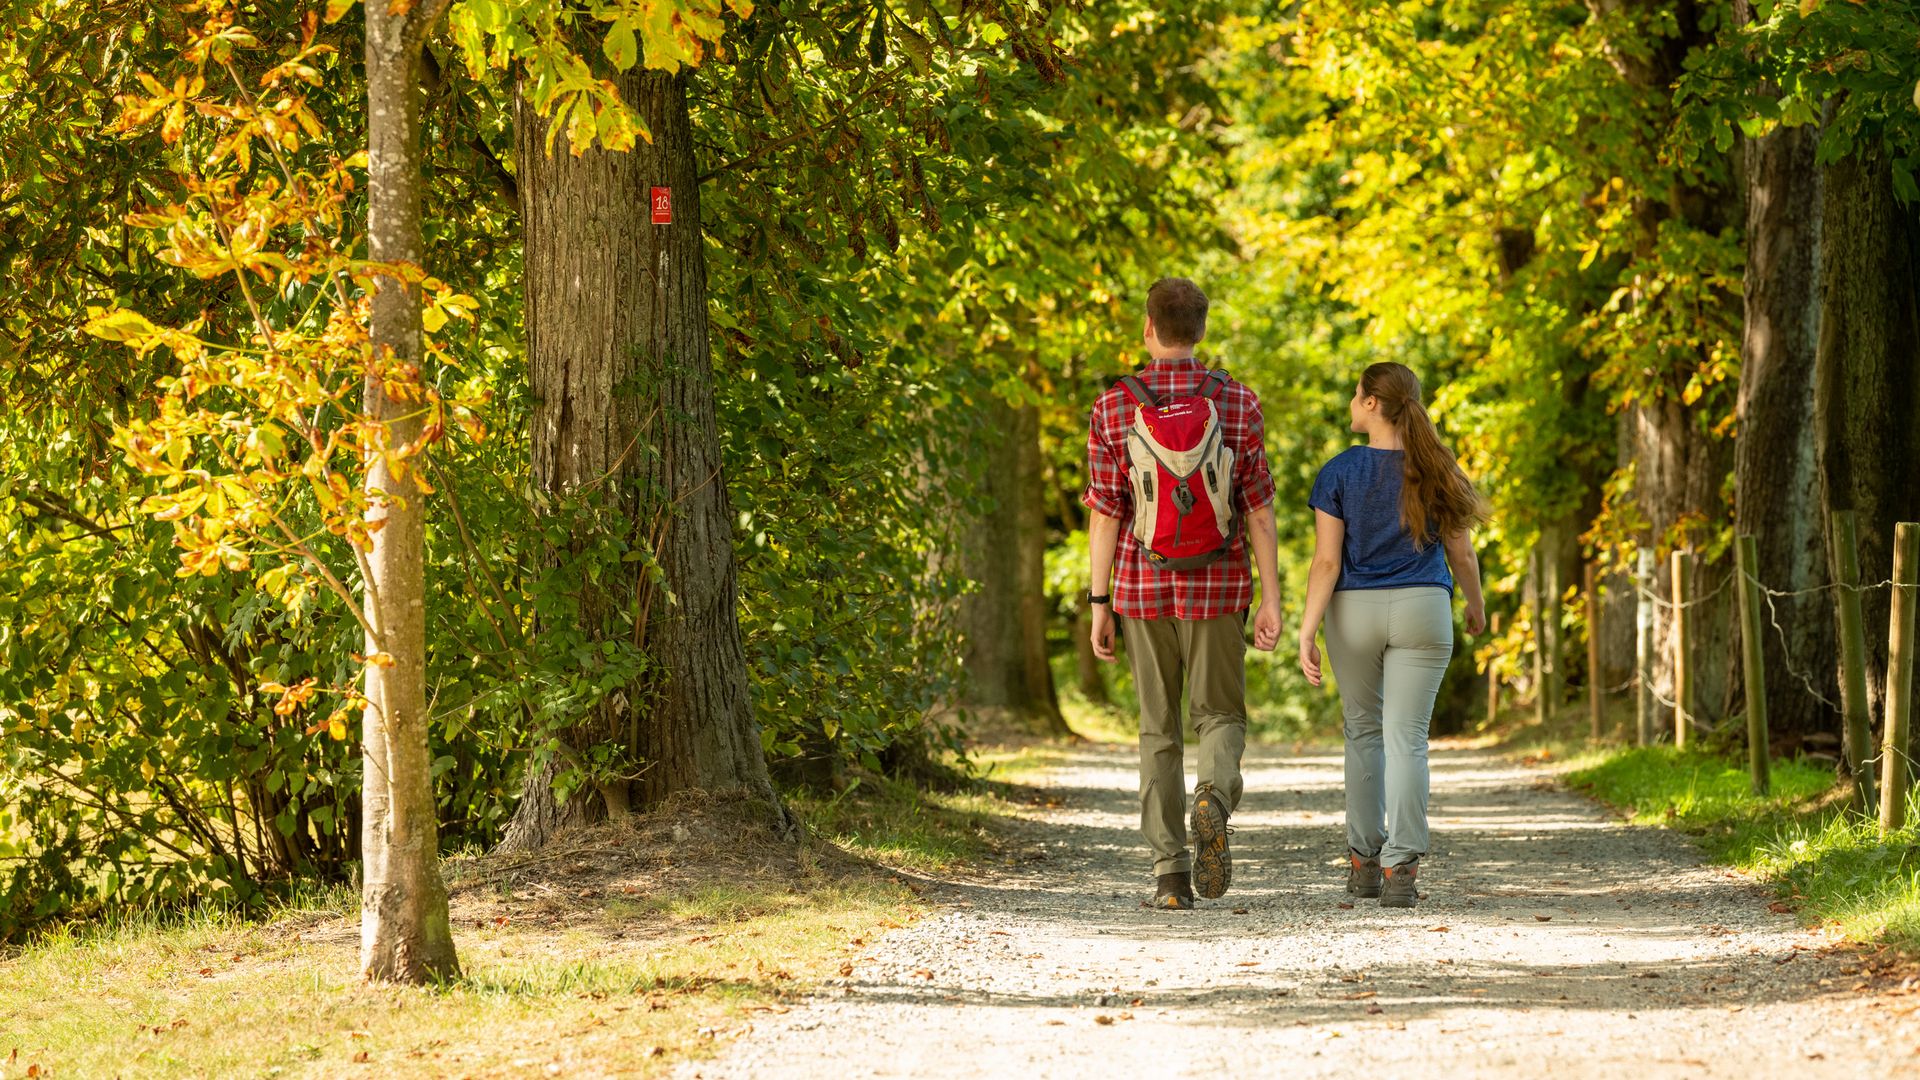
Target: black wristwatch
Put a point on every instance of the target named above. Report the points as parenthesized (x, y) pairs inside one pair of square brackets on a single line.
[(1106, 599)]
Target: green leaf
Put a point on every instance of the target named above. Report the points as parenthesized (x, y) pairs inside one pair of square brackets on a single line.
[(621, 47)]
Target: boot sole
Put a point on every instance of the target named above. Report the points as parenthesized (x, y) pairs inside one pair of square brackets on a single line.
[(1212, 862)]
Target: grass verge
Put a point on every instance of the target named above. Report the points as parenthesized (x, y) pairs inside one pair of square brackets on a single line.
[(1831, 866), (616, 952)]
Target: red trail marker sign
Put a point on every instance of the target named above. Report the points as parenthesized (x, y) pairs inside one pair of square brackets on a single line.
[(662, 206)]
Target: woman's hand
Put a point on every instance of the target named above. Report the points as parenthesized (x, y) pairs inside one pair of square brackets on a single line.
[(1476, 617), (1310, 660)]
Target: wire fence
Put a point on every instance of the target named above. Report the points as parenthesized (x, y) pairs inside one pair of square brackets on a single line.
[(1800, 674)]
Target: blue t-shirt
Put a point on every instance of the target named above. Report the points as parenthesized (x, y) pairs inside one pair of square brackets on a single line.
[(1361, 486)]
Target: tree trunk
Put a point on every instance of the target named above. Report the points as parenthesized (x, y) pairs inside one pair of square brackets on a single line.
[(1005, 620), (405, 935), (1867, 382), (1681, 473), (617, 345), (1681, 466), (1776, 482)]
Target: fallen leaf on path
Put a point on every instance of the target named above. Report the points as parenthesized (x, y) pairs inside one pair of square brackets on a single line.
[(1780, 908), (1346, 906), (846, 969), (1374, 1010), (1438, 929), (362, 1058), (1443, 961), (1103, 1019), (1248, 963), (1543, 918), (1239, 911), (1360, 995)]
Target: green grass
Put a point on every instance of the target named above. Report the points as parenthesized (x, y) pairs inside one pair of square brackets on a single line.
[(1832, 866), (606, 991), (900, 825), (627, 977)]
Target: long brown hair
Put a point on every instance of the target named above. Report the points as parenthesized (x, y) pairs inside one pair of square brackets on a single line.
[(1436, 498)]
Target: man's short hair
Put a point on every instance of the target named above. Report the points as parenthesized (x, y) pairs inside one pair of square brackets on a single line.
[(1179, 311)]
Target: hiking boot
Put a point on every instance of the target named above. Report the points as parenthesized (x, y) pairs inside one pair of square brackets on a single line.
[(1399, 889), (1212, 862), (1174, 892), (1363, 876)]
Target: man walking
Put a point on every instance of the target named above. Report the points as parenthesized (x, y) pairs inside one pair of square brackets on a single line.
[(1178, 487)]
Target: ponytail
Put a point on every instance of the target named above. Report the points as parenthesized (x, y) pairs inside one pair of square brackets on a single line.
[(1436, 498)]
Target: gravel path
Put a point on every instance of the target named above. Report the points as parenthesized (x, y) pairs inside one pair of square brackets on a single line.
[(1553, 941)]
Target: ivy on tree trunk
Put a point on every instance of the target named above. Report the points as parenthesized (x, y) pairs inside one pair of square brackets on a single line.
[(618, 351)]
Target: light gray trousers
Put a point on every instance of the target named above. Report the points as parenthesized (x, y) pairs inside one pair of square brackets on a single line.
[(1389, 649)]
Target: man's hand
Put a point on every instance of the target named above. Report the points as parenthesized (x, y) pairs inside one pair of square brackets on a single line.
[(1476, 618), (1103, 632), (1310, 661), (1266, 626)]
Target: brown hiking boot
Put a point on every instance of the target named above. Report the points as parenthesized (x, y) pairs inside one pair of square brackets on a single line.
[(1363, 876), (1400, 889), (1174, 892), (1212, 862)]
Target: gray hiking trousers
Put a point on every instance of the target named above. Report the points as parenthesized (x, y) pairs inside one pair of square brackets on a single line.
[(1389, 649)]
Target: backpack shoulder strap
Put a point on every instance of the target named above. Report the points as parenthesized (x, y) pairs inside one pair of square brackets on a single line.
[(1214, 383), (1139, 392)]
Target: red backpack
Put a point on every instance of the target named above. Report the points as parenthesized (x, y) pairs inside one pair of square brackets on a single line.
[(1182, 476)]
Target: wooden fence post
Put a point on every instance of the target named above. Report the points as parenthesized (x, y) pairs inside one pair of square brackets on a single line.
[(1493, 678), (1845, 555), (1643, 645), (1682, 654), (1746, 559), (1593, 652), (1894, 775)]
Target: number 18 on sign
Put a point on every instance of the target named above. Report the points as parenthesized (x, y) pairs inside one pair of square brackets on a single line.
[(662, 206)]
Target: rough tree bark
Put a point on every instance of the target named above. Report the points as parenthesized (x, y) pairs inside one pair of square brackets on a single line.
[(1005, 620), (405, 935), (618, 350), (1776, 479), (1867, 387)]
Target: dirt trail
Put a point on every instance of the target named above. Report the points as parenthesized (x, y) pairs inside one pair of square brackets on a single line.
[(1553, 941)]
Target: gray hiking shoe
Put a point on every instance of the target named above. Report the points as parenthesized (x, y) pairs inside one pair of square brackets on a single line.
[(1212, 862), (1400, 889), (1363, 876)]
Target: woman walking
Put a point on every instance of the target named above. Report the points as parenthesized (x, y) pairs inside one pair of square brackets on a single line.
[(1392, 527)]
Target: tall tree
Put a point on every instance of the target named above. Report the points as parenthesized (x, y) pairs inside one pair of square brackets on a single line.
[(405, 934), (1003, 551), (1868, 386), (618, 351), (1777, 489), (1681, 460)]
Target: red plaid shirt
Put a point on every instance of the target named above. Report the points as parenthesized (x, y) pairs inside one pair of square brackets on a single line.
[(1140, 590)]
